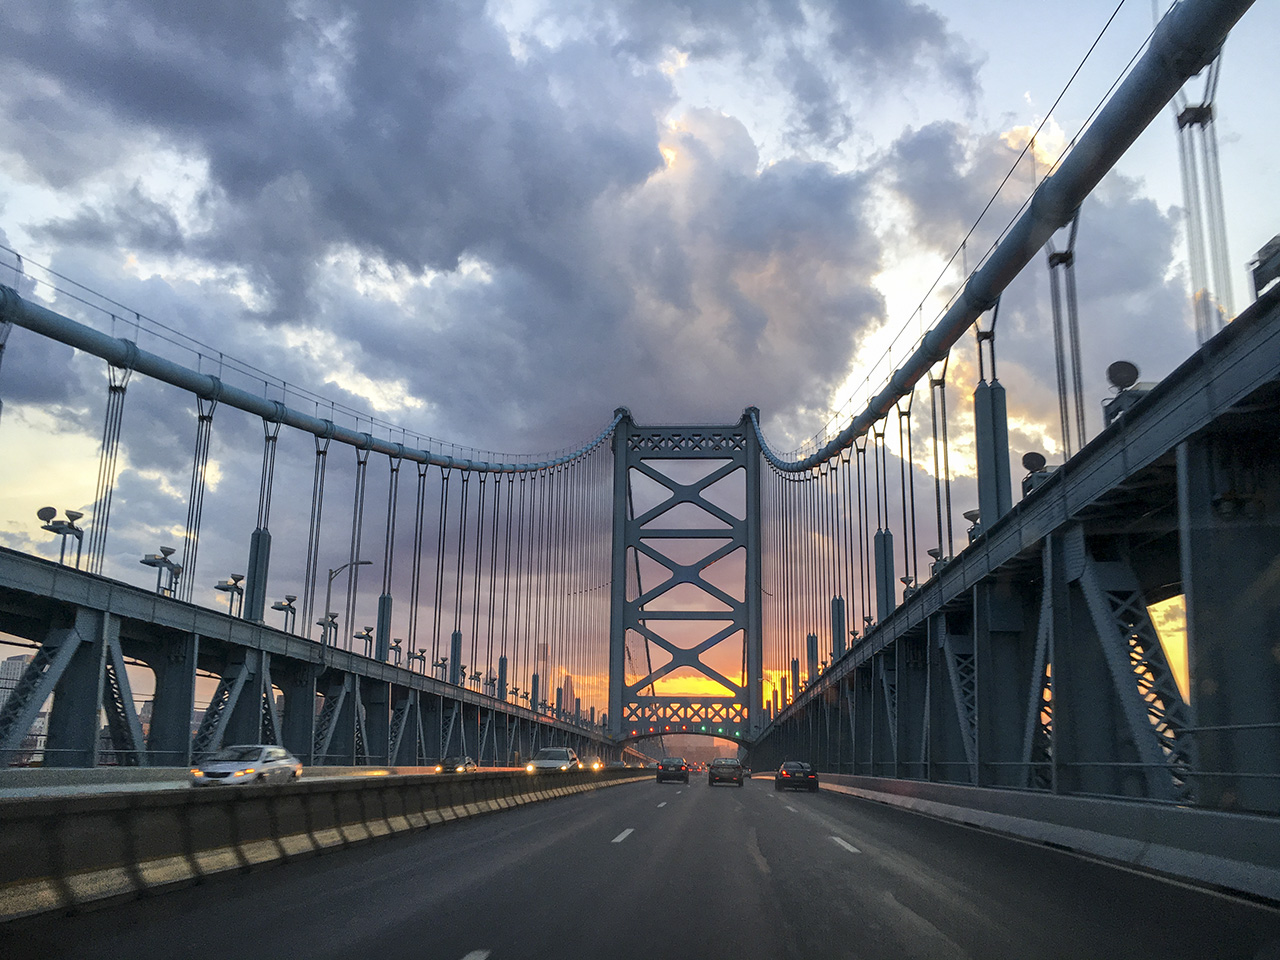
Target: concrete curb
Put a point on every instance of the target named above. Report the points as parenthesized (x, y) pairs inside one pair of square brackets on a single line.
[(63, 853), (1237, 852)]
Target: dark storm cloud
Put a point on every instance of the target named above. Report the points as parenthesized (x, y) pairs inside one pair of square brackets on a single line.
[(413, 138), (864, 46), (133, 221)]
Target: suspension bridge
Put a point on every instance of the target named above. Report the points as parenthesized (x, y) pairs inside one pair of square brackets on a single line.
[(996, 663)]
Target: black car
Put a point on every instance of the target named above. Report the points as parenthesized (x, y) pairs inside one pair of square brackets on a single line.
[(673, 768), (724, 770), (795, 775)]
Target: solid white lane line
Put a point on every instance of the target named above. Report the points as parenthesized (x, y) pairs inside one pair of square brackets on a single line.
[(792, 809), (662, 804), (618, 839), (847, 845), (477, 955)]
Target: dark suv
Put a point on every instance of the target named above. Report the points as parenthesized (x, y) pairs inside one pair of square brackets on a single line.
[(673, 768), (724, 770)]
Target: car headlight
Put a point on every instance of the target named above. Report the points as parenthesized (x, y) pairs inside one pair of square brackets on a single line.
[(460, 770), (197, 773), (529, 768), (439, 769), (565, 767)]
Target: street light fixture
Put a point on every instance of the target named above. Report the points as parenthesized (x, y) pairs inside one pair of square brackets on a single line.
[(328, 592), (232, 586), (290, 611), (440, 665), (328, 623), (163, 565), (63, 528), (395, 650), (367, 636)]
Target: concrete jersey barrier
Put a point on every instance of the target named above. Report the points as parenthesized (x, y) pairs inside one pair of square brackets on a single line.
[(61, 853)]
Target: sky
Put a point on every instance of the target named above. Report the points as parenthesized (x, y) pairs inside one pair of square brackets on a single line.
[(493, 223)]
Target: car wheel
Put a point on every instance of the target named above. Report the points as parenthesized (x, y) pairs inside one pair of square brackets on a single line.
[(777, 786), (814, 788)]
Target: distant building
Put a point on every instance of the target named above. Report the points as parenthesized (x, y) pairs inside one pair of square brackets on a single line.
[(11, 670)]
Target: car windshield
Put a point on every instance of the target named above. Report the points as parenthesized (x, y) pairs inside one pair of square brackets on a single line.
[(795, 765), (672, 761), (724, 763), (451, 761), (236, 755), (549, 753)]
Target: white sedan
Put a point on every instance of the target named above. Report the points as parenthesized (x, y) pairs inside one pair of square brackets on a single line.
[(247, 763)]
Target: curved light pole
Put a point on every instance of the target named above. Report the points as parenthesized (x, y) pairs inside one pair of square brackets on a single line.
[(328, 590)]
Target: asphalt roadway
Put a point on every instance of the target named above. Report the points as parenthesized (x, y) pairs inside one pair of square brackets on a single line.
[(649, 870)]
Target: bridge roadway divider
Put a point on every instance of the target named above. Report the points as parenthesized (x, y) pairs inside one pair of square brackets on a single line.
[(62, 853), (1239, 852)]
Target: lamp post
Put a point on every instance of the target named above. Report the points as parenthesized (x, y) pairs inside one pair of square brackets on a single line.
[(232, 586), (328, 591), (327, 624), (290, 611), (367, 636), (395, 650), (441, 666), (163, 565), (421, 657), (63, 528)]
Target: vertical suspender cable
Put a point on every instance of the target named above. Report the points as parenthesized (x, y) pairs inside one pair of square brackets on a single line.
[(313, 535), (438, 607), (415, 590)]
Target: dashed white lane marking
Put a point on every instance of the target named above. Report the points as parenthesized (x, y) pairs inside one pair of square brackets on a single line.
[(618, 839), (662, 804), (678, 792), (792, 809), (477, 955), (848, 846)]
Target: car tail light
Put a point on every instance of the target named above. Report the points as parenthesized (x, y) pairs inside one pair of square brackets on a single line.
[(785, 774)]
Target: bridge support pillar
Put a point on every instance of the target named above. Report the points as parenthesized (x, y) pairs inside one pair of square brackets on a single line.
[(382, 632), (377, 721), (952, 748), (298, 721), (169, 743), (1086, 715), (839, 632), (1004, 652), (912, 670), (255, 581), (991, 440), (886, 595), (1229, 531), (73, 722)]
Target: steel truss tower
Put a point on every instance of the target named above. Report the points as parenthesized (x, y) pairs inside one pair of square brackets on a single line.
[(659, 618)]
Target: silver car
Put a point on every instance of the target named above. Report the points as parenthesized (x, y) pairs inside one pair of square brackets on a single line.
[(247, 763), (554, 758)]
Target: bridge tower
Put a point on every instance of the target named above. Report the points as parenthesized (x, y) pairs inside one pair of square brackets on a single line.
[(688, 532)]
